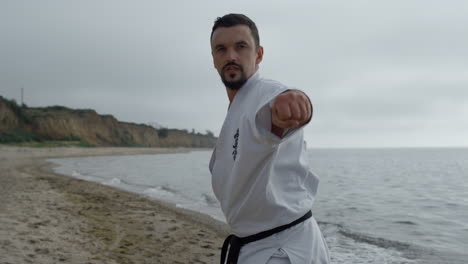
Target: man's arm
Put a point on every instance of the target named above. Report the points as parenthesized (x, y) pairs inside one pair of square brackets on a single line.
[(290, 109)]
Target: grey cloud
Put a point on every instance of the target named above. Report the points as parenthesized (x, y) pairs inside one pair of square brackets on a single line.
[(371, 68)]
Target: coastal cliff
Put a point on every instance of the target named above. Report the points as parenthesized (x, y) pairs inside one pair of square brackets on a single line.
[(59, 123)]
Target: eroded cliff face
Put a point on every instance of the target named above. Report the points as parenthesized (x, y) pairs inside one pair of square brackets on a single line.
[(8, 119), (59, 123)]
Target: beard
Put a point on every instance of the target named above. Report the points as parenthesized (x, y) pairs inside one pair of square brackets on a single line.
[(233, 84)]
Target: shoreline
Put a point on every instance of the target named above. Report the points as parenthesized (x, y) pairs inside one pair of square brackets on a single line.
[(52, 218)]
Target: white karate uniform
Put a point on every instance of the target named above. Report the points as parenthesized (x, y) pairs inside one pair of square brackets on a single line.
[(263, 181)]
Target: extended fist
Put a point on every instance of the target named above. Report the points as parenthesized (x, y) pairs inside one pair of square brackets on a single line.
[(291, 109)]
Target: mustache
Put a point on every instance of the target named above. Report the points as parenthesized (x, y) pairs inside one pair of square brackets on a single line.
[(231, 64)]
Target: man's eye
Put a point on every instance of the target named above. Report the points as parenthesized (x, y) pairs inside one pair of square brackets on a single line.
[(220, 49)]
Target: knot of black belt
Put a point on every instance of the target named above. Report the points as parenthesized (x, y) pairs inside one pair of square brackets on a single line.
[(235, 243)]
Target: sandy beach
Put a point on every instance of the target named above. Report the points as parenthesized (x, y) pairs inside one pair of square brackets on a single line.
[(49, 218)]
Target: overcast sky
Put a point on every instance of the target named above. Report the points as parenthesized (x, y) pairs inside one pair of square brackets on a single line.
[(380, 73)]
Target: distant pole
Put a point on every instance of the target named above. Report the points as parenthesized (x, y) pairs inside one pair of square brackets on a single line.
[(22, 102)]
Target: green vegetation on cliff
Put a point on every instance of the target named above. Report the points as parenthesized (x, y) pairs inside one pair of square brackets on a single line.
[(60, 125)]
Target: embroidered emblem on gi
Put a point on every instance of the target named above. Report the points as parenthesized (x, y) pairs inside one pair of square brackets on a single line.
[(236, 139)]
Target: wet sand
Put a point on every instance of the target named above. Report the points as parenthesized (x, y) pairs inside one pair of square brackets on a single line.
[(49, 218)]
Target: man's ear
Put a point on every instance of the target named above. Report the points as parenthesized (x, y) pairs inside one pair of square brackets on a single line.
[(259, 55)]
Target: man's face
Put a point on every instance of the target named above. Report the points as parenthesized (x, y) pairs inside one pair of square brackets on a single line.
[(235, 56)]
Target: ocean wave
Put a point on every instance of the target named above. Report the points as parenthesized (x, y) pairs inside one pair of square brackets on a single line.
[(159, 191), (208, 199), (366, 238), (376, 241), (391, 251), (76, 174), (405, 222), (113, 182), (452, 204)]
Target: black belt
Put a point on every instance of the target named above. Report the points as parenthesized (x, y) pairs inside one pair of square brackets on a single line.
[(235, 243)]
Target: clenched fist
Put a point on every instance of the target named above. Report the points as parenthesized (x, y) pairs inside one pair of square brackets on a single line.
[(290, 109)]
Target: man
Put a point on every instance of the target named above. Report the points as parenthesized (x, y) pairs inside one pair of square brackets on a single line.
[(259, 166)]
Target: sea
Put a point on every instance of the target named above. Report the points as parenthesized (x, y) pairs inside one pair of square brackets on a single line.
[(402, 205)]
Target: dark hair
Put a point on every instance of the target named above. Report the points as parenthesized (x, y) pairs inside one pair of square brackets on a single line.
[(231, 20)]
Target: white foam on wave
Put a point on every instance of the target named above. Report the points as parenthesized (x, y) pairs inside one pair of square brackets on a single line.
[(158, 192), (113, 182), (209, 200), (76, 174), (345, 249)]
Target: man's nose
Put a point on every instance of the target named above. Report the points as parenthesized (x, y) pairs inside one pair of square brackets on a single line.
[(231, 55)]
